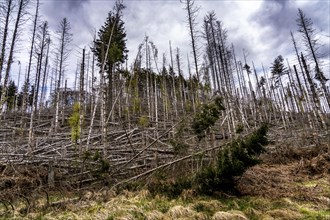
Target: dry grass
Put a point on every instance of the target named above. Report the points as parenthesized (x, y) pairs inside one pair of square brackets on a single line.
[(285, 214), (180, 212), (229, 216), (141, 205)]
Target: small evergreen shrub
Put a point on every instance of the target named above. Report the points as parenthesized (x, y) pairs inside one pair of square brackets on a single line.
[(179, 147), (207, 117), (143, 121), (239, 129), (232, 161), (74, 123), (100, 167)]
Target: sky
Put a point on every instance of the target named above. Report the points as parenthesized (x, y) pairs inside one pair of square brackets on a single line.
[(260, 27)]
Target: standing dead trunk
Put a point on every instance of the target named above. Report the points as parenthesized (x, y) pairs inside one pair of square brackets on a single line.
[(8, 10), (44, 79), (81, 98), (31, 139), (192, 12), (65, 38), (43, 42), (20, 13), (27, 82)]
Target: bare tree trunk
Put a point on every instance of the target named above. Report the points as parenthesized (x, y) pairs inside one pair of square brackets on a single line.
[(18, 82), (305, 27), (9, 8), (181, 86), (101, 94), (44, 80), (20, 13), (81, 99), (314, 94), (31, 139), (148, 69), (65, 39), (192, 88), (44, 33), (92, 101), (192, 12), (27, 83), (173, 84)]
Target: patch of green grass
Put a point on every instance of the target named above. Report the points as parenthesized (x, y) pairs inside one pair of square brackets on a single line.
[(315, 215), (284, 203), (94, 208), (308, 184), (138, 215), (162, 205), (39, 217), (204, 207)]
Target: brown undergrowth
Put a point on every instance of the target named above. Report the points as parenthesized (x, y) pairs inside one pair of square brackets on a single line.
[(302, 174)]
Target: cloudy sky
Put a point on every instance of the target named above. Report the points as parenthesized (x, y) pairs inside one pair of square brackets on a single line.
[(260, 27)]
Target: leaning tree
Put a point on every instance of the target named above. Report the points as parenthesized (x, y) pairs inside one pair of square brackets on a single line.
[(305, 27)]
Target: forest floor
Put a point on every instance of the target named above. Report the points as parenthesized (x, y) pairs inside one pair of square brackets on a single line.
[(290, 183)]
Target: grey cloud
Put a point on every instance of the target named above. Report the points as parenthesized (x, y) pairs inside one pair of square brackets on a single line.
[(74, 4), (55, 10), (264, 34), (277, 18)]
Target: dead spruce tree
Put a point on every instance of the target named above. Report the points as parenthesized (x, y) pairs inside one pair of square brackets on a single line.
[(65, 38), (45, 76), (192, 12), (20, 18), (305, 27), (27, 81), (42, 41), (6, 9)]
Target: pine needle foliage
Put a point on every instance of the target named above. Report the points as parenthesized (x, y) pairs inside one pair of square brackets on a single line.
[(207, 117), (143, 121), (232, 161), (74, 123)]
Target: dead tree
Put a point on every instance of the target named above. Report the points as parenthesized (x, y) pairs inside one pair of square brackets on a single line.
[(27, 82), (316, 99), (6, 8), (175, 101), (306, 28), (19, 21), (65, 37), (192, 12), (44, 78), (81, 94), (42, 44)]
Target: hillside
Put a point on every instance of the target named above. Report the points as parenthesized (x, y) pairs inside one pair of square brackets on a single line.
[(292, 182), (222, 130)]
